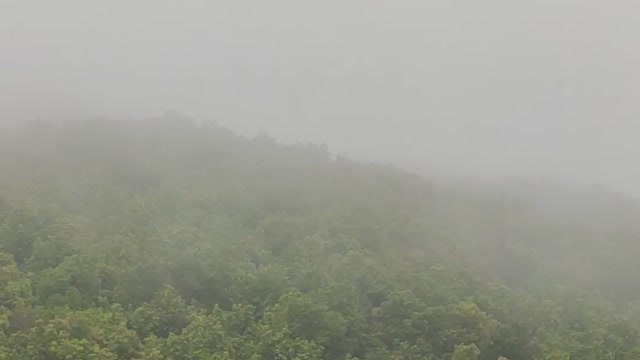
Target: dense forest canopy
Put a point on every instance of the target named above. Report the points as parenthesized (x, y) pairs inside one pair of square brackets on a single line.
[(167, 238)]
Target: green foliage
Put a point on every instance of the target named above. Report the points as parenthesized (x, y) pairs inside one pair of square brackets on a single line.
[(465, 352), (86, 334), (166, 314), (167, 239), (15, 286)]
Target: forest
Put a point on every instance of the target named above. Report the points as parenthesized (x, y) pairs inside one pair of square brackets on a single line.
[(168, 238)]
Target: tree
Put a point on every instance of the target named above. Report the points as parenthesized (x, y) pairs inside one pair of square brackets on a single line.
[(465, 352), (167, 313)]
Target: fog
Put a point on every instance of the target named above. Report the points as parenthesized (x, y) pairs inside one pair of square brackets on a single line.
[(491, 88)]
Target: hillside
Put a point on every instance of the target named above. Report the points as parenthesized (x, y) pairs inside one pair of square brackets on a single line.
[(168, 239)]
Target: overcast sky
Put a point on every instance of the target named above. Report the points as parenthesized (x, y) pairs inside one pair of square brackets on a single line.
[(544, 87)]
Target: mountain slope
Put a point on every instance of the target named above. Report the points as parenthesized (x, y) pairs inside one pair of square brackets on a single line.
[(168, 239)]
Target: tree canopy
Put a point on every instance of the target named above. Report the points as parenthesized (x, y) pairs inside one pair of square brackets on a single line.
[(172, 239)]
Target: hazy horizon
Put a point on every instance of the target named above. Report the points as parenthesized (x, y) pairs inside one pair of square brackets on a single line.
[(489, 89)]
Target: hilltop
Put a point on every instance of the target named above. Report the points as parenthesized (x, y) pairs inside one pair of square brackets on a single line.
[(167, 238)]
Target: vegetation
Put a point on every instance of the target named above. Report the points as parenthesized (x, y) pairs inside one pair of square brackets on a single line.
[(170, 239)]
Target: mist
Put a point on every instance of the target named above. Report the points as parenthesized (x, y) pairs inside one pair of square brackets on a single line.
[(331, 180), (489, 89)]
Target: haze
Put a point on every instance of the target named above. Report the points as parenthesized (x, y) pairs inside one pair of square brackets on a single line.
[(491, 88)]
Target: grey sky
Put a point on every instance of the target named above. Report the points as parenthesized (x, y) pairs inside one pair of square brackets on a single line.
[(487, 87)]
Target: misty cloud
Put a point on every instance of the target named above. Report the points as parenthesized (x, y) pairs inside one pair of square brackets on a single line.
[(488, 88)]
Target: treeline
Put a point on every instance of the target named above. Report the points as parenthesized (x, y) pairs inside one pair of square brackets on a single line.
[(170, 239)]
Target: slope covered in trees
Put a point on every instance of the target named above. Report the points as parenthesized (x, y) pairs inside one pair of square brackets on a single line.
[(167, 239)]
